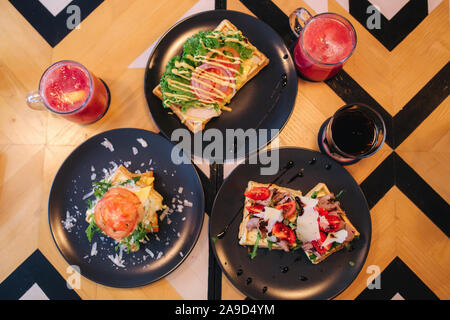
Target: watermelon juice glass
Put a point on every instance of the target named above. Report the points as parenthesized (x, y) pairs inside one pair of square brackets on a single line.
[(68, 89), (324, 44)]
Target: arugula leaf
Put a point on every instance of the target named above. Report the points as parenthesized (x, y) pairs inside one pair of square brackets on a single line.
[(269, 244), (312, 257), (255, 246), (92, 229), (100, 188), (298, 246), (90, 203), (314, 194), (133, 240), (339, 193), (135, 179)]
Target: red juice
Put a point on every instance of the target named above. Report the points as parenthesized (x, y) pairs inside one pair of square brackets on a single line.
[(70, 90), (325, 43)]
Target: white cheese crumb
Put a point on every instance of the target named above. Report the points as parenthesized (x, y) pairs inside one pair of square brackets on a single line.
[(149, 252), (94, 249), (116, 260), (164, 214), (135, 150), (108, 145), (143, 143), (187, 203), (180, 190), (127, 164), (69, 223), (93, 176), (159, 255)]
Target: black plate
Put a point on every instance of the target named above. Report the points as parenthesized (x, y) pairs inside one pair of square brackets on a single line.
[(73, 182), (263, 103), (290, 275)]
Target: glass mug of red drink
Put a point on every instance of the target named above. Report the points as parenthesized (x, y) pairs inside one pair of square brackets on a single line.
[(324, 44), (68, 89), (354, 132)]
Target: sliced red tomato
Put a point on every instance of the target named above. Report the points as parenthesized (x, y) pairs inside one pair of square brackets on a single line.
[(231, 62), (117, 212), (207, 89), (334, 223), (283, 232), (322, 212), (317, 244), (289, 208), (257, 208), (258, 193)]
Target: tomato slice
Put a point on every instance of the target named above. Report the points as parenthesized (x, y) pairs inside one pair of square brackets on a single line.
[(117, 212), (333, 223), (228, 61), (289, 208), (322, 212), (317, 244), (212, 84), (258, 193), (257, 208), (283, 232)]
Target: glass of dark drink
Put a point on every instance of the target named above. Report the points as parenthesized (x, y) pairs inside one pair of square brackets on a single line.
[(354, 132)]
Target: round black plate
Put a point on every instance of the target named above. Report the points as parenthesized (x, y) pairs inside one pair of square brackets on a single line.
[(265, 102), (174, 241), (290, 275)]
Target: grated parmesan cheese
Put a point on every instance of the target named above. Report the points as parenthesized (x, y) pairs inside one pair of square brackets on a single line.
[(108, 145), (143, 143)]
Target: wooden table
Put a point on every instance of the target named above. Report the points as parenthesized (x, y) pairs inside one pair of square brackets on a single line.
[(403, 72)]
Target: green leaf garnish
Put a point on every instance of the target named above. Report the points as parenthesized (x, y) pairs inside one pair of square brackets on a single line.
[(100, 188), (135, 179), (351, 263), (92, 229), (255, 246), (139, 234), (269, 244), (314, 194), (214, 239), (312, 257), (339, 193)]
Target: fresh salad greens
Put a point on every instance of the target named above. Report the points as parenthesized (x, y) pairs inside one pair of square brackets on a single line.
[(176, 81)]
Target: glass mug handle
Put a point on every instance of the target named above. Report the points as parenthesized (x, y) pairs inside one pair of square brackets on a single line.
[(298, 19), (34, 101)]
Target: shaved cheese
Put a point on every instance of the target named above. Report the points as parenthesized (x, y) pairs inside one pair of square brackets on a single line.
[(271, 216), (94, 249), (143, 143), (307, 223), (338, 236), (108, 145), (117, 260)]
